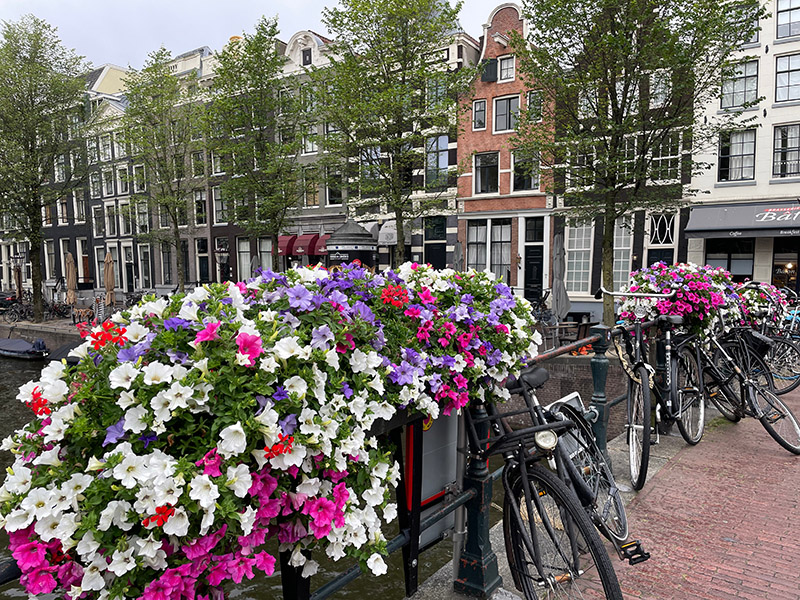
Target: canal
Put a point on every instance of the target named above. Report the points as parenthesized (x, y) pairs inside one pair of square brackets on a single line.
[(14, 373)]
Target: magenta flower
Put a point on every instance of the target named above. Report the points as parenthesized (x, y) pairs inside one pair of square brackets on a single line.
[(30, 556), (425, 296), (210, 463), (208, 334), (241, 567), (265, 562), (39, 581), (249, 345)]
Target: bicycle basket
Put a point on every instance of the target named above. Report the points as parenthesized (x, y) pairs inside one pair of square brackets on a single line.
[(758, 343)]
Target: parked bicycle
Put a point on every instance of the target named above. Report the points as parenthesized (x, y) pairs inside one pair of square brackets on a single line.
[(20, 311), (657, 400), (553, 549)]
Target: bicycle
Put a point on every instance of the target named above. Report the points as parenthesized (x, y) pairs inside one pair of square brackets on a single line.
[(581, 464), (734, 361), (677, 391), (18, 312), (553, 549)]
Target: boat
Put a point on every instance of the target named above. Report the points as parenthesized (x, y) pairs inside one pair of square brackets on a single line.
[(25, 350)]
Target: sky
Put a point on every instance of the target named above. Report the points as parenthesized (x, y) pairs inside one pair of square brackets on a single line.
[(123, 32)]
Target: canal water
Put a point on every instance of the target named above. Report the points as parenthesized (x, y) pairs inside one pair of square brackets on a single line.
[(14, 414)]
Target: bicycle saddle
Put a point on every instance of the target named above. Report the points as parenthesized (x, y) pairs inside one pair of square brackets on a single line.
[(535, 378), (673, 319)]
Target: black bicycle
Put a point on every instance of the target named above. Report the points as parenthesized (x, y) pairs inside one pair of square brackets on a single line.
[(553, 549)]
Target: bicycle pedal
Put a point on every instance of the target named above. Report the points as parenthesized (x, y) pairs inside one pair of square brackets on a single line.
[(633, 552)]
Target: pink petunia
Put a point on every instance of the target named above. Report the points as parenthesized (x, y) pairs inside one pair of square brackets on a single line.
[(208, 334), (39, 581), (211, 463), (249, 345), (425, 296), (265, 562), (30, 556)]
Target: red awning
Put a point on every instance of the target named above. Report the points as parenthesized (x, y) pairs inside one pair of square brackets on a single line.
[(305, 243), (320, 248), (286, 244)]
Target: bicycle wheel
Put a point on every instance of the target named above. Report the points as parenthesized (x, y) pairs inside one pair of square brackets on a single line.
[(607, 509), (783, 360), (776, 417), (691, 408), (639, 427), (750, 364), (11, 315), (721, 396), (554, 533)]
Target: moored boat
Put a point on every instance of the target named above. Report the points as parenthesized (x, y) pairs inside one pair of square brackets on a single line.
[(25, 350)]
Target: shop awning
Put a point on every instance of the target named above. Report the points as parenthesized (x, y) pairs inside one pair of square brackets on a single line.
[(765, 219), (305, 243), (320, 247), (286, 244)]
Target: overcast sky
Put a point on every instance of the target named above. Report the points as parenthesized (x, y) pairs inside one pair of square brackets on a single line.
[(124, 32)]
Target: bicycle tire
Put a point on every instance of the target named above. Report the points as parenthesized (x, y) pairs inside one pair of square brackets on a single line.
[(11, 315), (573, 558), (607, 509), (723, 400), (639, 412), (783, 360), (748, 361), (691, 408), (777, 418)]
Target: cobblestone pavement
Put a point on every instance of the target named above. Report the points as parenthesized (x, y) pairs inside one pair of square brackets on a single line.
[(721, 520)]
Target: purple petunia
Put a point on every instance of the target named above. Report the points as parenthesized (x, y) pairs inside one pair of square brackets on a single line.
[(115, 433), (363, 311), (347, 390), (288, 424), (402, 374), (175, 323), (280, 394), (148, 438), (299, 297), (177, 357), (263, 402), (321, 338)]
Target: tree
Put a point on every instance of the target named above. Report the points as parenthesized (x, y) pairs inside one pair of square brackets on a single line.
[(41, 93), (386, 93), (163, 123), (257, 121), (623, 85)]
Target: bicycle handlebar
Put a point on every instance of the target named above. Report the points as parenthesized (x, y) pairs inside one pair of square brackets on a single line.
[(599, 294)]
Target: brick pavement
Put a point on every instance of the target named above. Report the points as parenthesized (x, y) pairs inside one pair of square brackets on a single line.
[(721, 520)]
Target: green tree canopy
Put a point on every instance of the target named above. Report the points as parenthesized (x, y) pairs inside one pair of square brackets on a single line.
[(41, 105), (257, 122), (386, 93), (624, 85), (163, 125)]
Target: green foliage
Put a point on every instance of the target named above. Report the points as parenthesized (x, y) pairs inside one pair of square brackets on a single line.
[(386, 90), (258, 119)]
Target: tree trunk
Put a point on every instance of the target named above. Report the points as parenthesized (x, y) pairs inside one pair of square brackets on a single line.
[(607, 262), (176, 235), (400, 248), (36, 274), (276, 259)]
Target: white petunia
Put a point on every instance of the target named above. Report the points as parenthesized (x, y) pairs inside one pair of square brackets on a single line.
[(131, 470), (268, 364), (358, 361), (39, 502), (150, 546), (18, 519), (177, 525), (123, 376), (95, 464), (332, 359), (243, 360), (67, 526), (390, 512), (310, 568), (53, 371), (160, 406), (55, 391), (287, 347), (310, 487), (208, 520), (233, 441), (133, 419), (115, 513), (239, 480), (135, 332), (81, 351), (376, 564), (87, 546), (49, 457), (204, 491), (93, 574), (122, 562), (189, 312), (296, 385), (155, 307), (47, 528), (19, 481), (156, 373), (247, 520), (126, 399)]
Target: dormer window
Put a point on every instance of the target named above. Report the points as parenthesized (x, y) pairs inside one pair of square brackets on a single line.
[(306, 56)]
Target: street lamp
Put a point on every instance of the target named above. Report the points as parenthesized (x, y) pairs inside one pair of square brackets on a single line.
[(17, 260), (222, 256)]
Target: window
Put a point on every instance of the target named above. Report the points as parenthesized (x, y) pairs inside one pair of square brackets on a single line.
[(737, 155), (105, 147), (50, 263), (94, 185), (125, 216), (526, 171), (200, 209), (166, 264), (243, 257), (92, 154), (787, 78), (662, 228), (737, 256), (182, 214), (334, 187), (220, 206), (61, 168), (201, 252), (486, 173), (108, 183), (306, 56), (581, 171), (99, 260), (506, 113), (534, 229), (629, 156), (122, 180), (119, 146), (63, 215), (476, 245), (579, 258), (310, 188), (79, 205), (436, 90), (666, 160), (139, 180), (265, 252), (478, 115), (788, 18), (111, 220), (144, 267), (622, 251), (310, 141), (221, 250), (142, 217), (741, 88), (535, 105), (163, 217), (436, 162), (501, 249), (98, 221), (198, 164), (660, 89), (786, 151), (216, 164), (506, 68)]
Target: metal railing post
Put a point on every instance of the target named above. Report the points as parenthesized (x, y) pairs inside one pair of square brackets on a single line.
[(599, 364), (477, 569)]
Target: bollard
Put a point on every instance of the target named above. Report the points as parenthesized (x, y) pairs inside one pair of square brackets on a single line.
[(477, 570), (599, 402)]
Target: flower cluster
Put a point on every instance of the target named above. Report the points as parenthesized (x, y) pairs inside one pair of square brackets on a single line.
[(763, 300), (699, 293), (198, 427)]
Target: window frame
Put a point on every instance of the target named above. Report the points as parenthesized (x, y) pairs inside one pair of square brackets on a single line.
[(740, 77), (788, 76), (475, 171), (787, 150), (511, 119), (570, 283), (474, 102), (779, 13), (535, 161), (731, 157), (500, 61)]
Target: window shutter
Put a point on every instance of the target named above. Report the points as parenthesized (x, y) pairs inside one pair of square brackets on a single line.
[(490, 70)]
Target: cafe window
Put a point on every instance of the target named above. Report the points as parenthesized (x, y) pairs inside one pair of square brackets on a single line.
[(784, 263), (737, 256)]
